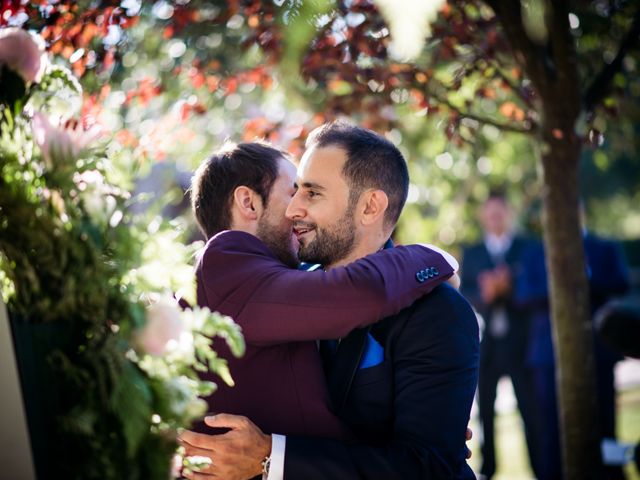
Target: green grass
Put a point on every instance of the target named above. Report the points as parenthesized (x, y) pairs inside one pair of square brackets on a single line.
[(629, 424), (511, 452)]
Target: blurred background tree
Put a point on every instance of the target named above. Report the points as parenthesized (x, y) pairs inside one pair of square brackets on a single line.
[(480, 101), (174, 79)]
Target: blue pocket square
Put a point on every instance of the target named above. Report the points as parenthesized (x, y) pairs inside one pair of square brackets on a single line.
[(373, 353)]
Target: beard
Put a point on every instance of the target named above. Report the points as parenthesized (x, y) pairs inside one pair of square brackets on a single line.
[(330, 244), (278, 240)]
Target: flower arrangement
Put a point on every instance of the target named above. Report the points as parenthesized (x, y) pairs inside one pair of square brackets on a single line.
[(73, 256)]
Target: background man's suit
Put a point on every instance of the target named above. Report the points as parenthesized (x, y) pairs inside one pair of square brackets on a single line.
[(280, 384), (503, 346), (412, 409), (608, 276)]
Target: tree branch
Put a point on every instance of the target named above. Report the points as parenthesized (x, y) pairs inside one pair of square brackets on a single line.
[(504, 126), (598, 88), (563, 95), (517, 89), (527, 53)]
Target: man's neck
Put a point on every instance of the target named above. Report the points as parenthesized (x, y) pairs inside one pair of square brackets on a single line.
[(248, 227), (505, 236)]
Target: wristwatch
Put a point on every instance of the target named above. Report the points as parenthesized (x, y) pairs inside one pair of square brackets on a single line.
[(266, 463)]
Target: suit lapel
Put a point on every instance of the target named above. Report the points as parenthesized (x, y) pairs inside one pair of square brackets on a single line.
[(345, 365), (513, 253), (487, 261)]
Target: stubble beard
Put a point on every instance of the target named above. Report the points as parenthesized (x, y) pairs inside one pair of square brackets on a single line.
[(331, 244), (278, 240)]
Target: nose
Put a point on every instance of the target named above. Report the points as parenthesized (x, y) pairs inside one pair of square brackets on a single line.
[(294, 209)]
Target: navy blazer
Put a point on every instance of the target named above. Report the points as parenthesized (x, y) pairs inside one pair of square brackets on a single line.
[(607, 274), (411, 411), (531, 293), (477, 259)]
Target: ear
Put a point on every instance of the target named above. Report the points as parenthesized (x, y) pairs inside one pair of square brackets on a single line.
[(247, 203), (374, 205)]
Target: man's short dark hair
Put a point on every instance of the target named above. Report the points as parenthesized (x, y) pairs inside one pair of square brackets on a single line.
[(499, 195), (372, 162), (253, 165)]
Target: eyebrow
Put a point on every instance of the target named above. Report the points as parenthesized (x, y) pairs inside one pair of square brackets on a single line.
[(313, 185)]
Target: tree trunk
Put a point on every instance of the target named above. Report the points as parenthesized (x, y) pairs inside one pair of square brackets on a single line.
[(570, 312), (551, 65)]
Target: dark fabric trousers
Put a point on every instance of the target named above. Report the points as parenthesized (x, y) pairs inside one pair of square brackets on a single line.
[(491, 370), (545, 387), (546, 400)]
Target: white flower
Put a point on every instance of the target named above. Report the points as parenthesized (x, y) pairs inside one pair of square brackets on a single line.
[(64, 142), (163, 328), (23, 53)]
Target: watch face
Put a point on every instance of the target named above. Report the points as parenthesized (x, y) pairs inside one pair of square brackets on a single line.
[(266, 463)]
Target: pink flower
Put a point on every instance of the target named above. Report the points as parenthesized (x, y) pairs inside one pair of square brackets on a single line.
[(163, 327), (64, 142), (23, 53)]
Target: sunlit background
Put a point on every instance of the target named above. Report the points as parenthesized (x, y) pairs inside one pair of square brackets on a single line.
[(169, 82)]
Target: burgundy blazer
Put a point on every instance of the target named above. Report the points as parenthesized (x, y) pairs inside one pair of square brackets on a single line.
[(279, 382)]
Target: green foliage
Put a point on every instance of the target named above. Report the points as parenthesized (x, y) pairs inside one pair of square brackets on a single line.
[(72, 254), (131, 398), (217, 70)]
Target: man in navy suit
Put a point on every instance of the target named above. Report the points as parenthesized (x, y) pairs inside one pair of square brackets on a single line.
[(403, 387), (488, 271), (608, 276)]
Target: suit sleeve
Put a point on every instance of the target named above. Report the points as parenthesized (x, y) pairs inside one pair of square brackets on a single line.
[(435, 365), (612, 275), (285, 305), (530, 291)]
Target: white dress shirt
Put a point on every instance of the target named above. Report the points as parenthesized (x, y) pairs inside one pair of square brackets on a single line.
[(276, 468)]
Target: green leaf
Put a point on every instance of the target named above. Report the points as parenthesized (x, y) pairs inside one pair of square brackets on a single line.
[(131, 403)]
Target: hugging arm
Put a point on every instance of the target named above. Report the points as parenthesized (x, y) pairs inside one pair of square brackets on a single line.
[(277, 304)]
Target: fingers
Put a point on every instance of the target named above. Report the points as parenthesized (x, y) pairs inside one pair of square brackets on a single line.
[(468, 436), (198, 461), (198, 440), (191, 451), (226, 420), (199, 476)]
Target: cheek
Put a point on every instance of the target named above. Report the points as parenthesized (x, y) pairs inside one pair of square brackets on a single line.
[(327, 212), (279, 207), (279, 214)]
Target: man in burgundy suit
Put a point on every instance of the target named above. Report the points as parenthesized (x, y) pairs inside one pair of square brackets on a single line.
[(403, 388)]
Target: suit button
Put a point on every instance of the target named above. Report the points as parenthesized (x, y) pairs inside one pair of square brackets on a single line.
[(420, 276)]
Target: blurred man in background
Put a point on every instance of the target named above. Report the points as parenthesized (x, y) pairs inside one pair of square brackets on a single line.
[(608, 277), (488, 271)]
